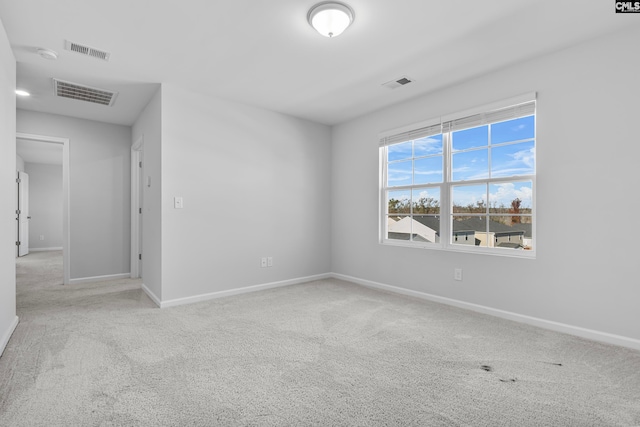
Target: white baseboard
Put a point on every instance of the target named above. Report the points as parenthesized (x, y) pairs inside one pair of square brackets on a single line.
[(542, 323), (151, 295), (7, 335), (255, 288), (44, 249), (100, 278)]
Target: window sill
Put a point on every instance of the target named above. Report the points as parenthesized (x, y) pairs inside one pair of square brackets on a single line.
[(509, 253)]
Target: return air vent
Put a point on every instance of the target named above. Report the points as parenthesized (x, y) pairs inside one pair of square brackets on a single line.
[(86, 50), (84, 93), (393, 84)]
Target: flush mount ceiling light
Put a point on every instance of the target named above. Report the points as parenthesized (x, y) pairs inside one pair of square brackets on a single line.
[(48, 54), (330, 18)]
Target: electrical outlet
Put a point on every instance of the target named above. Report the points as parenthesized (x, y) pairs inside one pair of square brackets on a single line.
[(457, 274), (270, 261), (263, 262), (177, 203)]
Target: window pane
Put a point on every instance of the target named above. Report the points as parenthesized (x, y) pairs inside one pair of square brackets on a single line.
[(470, 165), (426, 228), (427, 146), (470, 138), (427, 170), (399, 151), (513, 159), (426, 201), (513, 130), (471, 231), (469, 198), (399, 173), (399, 202), (511, 232), (511, 198), (399, 227)]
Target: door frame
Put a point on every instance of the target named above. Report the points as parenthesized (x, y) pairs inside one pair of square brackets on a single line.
[(23, 182), (137, 149), (66, 220)]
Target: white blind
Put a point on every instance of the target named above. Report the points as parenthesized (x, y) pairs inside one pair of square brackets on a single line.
[(488, 117), (411, 134), (520, 106)]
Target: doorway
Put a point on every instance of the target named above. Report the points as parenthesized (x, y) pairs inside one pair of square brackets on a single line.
[(63, 143)]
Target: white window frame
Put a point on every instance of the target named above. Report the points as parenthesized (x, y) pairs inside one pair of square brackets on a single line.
[(427, 127)]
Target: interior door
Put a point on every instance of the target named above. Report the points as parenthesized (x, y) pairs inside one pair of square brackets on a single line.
[(23, 213)]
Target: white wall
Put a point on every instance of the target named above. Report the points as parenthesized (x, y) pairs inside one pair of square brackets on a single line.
[(587, 180), (149, 127), (100, 190), (8, 318), (45, 205), (254, 184)]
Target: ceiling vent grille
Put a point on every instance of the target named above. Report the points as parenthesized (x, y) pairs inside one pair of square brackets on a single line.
[(84, 93), (393, 84), (87, 50)]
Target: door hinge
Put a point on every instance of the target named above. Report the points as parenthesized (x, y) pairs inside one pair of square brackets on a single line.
[(18, 243), (140, 257), (18, 212), (140, 210), (18, 180), (139, 164)]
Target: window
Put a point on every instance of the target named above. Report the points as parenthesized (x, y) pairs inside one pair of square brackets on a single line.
[(462, 182)]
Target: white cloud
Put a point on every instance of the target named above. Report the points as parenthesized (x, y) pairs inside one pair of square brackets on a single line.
[(525, 156), (506, 192)]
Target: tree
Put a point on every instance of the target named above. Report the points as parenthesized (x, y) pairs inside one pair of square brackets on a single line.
[(515, 211), (426, 205), (399, 206)]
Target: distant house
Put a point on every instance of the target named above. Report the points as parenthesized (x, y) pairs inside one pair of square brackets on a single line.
[(422, 228), (499, 235), (468, 231)]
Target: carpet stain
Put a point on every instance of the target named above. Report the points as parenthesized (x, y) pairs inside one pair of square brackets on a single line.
[(486, 368), (552, 363)]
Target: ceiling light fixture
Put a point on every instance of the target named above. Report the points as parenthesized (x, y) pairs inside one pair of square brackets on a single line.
[(330, 18), (48, 54), (21, 92)]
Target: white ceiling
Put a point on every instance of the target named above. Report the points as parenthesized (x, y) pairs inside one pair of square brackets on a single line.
[(39, 152), (264, 53)]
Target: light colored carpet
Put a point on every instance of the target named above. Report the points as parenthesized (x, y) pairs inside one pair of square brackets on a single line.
[(321, 353)]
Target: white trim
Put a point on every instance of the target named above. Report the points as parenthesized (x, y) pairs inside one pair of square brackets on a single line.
[(151, 295), (230, 292), (541, 323), (7, 335), (45, 249), (100, 278), (66, 210)]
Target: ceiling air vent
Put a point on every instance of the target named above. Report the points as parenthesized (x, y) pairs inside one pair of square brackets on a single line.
[(397, 83), (86, 50), (84, 93)]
